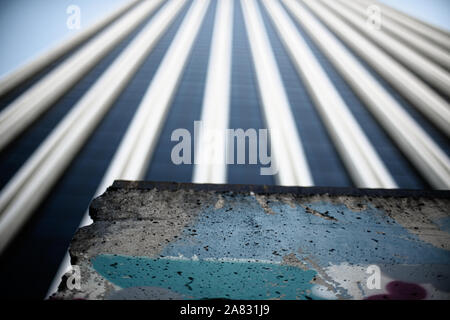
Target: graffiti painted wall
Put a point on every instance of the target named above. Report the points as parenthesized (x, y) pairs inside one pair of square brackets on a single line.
[(186, 242)]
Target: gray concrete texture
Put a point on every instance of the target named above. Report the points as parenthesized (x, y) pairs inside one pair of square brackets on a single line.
[(187, 241)]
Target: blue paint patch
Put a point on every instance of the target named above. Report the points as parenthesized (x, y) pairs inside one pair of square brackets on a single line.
[(328, 233), (201, 279), (444, 224)]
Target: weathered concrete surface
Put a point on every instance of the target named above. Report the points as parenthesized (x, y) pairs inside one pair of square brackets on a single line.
[(185, 241)]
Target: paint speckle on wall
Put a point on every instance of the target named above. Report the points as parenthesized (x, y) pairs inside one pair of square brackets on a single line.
[(208, 279), (326, 232)]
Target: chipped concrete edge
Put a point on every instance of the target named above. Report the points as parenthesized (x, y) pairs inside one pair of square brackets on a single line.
[(100, 288)]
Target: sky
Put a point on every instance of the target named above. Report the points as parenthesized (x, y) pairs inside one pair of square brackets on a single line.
[(436, 12), (30, 27)]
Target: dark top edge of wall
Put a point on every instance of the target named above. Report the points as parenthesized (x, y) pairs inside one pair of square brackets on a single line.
[(266, 189)]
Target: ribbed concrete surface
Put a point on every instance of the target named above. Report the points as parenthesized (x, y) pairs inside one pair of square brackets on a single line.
[(185, 241)]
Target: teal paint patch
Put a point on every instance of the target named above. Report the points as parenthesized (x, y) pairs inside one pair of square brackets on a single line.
[(208, 279)]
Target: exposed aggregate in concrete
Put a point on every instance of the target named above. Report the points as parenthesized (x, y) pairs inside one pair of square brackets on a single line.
[(132, 220)]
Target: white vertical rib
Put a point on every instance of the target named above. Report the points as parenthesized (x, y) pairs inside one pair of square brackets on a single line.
[(36, 177), (421, 150), (426, 69), (363, 163), (425, 47), (35, 65), (32, 103), (430, 32), (216, 100), (285, 141), (131, 158), (418, 93)]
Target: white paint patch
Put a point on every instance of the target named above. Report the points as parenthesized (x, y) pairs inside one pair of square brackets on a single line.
[(220, 203), (351, 278), (323, 292)]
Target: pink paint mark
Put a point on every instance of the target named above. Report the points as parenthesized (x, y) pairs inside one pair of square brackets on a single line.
[(398, 290)]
